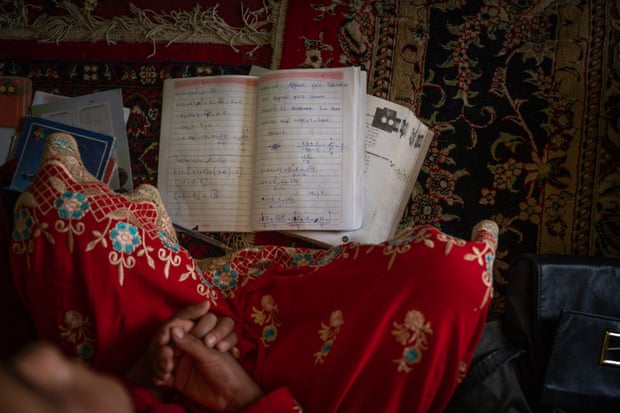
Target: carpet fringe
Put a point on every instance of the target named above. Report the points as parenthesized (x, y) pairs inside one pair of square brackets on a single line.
[(143, 25)]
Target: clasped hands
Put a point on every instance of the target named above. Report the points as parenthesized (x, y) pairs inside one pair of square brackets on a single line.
[(194, 353)]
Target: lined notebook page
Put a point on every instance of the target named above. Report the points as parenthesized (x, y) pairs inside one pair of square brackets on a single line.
[(305, 150), (207, 147), (396, 145)]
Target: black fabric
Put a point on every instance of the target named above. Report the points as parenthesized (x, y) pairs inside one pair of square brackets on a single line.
[(540, 288), (575, 377), (18, 329), (491, 384)]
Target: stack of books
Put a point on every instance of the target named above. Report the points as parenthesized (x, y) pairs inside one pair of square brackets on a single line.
[(96, 121)]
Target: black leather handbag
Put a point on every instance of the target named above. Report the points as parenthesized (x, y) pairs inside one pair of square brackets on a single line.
[(564, 312), (584, 365)]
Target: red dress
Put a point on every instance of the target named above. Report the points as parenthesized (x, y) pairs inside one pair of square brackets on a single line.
[(388, 327)]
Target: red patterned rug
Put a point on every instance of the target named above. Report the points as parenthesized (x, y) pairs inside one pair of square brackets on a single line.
[(524, 97)]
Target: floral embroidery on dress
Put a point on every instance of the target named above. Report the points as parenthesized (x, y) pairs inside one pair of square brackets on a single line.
[(61, 144), (80, 221), (76, 329), (401, 242), (328, 334), (424, 235), (169, 254), (26, 227), (125, 239), (205, 288), (23, 225), (332, 254), (393, 248), (486, 232), (302, 259), (173, 246), (267, 317), (411, 334), (449, 242), (71, 207), (485, 258), (226, 278)]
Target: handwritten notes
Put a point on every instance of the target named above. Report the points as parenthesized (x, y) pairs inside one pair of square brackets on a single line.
[(299, 151), (209, 152), (280, 151), (396, 146)]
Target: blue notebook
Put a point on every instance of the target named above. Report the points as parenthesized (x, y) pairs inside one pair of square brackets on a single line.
[(96, 149)]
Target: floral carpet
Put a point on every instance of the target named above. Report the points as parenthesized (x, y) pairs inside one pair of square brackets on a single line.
[(523, 96)]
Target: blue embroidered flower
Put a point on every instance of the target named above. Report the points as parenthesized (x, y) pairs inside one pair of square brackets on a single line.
[(331, 255), (23, 225), (490, 258), (85, 351), (226, 278), (302, 259), (71, 205), (399, 241), (62, 145), (168, 243), (124, 237), (270, 333), (411, 355)]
